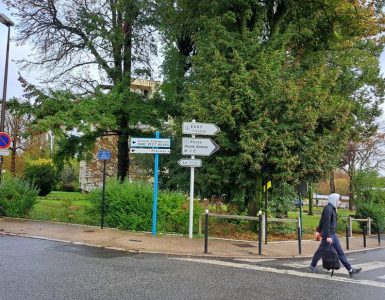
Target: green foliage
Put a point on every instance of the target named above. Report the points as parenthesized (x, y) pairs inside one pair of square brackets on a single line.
[(370, 197), (129, 206), (17, 197), (68, 180), (281, 200), (43, 176), (284, 80), (64, 207)]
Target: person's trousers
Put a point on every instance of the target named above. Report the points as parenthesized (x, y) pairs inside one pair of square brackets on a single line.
[(324, 246)]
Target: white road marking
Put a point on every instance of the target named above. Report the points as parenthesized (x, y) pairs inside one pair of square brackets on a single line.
[(365, 266), (254, 260), (288, 272), (381, 277)]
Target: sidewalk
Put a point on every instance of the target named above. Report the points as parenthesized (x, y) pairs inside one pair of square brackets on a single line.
[(167, 244)]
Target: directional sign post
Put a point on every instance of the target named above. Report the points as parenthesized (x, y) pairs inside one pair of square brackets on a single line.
[(196, 147), (149, 142), (150, 150), (154, 146), (190, 163), (199, 128), (103, 155), (199, 147)]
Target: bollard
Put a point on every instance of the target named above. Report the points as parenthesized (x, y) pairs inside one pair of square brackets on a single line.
[(379, 237), (364, 234), (347, 237), (206, 229), (299, 240), (260, 235)]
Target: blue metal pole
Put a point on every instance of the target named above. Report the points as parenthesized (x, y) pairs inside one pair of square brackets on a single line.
[(155, 195)]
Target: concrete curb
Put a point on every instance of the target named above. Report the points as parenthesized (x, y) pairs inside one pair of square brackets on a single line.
[(177, 253)]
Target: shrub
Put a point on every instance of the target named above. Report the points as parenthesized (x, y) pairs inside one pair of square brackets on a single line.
[(42, 176), (370, 200), (17, 197), (129, 206)]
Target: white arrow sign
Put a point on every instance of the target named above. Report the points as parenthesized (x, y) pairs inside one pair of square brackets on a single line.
[(190, 163), (199, 147), (199, 128), (150, 150), (150, 142)]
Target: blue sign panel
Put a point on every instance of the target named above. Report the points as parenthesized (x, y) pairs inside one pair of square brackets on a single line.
[(104, 155)]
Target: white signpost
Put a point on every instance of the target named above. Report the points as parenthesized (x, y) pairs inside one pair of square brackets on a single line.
[(196, 147), (199, 147), (190, 163), (150, 142), (199, 128), (150, 150)]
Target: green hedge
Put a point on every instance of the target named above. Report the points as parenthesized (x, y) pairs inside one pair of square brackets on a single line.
[(17, 197), (129, 206)]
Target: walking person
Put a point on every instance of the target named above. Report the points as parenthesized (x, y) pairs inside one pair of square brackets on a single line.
[(328, 228)]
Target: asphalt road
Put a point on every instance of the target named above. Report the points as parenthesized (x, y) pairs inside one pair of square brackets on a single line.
[(39, 269)]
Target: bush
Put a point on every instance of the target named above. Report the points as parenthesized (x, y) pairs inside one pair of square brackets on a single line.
[(129, 206), (42, 176), (374, 211), (17, 197), (370, 200)]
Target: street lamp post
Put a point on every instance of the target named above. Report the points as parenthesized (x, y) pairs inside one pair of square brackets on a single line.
[(7, 22)]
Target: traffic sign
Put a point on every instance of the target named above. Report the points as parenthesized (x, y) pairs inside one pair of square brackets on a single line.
[(104, 155), (197, 128), (4, 152), (199, 147), (150, 150), (190, 163), (5, 140), (150, 142)]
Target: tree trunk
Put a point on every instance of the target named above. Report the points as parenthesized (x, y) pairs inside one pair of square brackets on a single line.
[(310, 195), (123, 154), (257, 203), (351, 194), (13, 150), (332, 184)]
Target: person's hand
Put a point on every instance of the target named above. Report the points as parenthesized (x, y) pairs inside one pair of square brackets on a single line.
[(317, 236), (329, 240)]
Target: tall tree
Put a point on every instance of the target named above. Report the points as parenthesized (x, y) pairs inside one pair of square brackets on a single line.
[(95, 48), (19, 116), (279, 79)]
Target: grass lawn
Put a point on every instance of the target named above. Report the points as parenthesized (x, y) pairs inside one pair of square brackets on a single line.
[(310, 222), (63, 207)]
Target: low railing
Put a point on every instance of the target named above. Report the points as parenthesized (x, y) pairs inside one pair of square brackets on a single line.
[(368, 224), (262, 227)]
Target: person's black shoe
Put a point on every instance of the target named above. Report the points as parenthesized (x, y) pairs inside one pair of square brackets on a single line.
[(354, 271), (312, 269)]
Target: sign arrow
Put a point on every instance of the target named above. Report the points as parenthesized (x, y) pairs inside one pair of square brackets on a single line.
[(199, 147), (190, 163), (197, 128), (150, 142), (150, 150)]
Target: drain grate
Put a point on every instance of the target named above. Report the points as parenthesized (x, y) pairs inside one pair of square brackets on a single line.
[(244, 245), (137, 241)]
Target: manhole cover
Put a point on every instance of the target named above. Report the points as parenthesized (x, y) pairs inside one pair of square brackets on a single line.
[(244, 245)]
